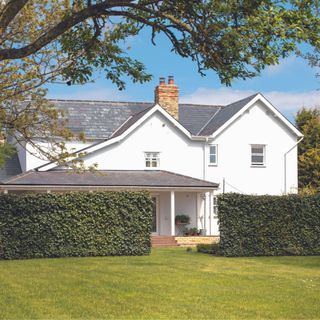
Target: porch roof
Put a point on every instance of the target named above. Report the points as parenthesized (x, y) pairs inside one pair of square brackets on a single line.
[(106, 178)]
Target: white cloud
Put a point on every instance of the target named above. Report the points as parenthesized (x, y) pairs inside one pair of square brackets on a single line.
[(284, 64), (284, 101)]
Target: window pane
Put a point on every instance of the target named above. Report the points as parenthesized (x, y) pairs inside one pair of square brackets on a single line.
[(213, 158), (147, 163), (212, 149), (258, 150), (154, 164), (257, 159)]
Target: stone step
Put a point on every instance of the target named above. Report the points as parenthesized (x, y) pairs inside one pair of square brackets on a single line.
[(163, 241)]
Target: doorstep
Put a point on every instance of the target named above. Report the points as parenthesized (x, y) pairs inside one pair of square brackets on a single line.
[(190, 241)]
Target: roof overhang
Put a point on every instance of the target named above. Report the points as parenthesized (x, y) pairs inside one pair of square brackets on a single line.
[(88, 188), (273, 110), (67, 180)]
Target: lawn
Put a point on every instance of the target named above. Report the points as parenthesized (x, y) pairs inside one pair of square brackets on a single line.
[(169, 284)]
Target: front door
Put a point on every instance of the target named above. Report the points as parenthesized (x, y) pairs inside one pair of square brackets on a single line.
[(155, 218)]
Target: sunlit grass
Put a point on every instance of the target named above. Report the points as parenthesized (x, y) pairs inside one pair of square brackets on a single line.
[(169, 284)]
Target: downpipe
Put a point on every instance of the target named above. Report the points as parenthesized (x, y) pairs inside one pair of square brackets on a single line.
[(285, 163)]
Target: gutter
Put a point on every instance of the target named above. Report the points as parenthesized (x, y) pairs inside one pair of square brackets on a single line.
[(285, 163), (66, 188)]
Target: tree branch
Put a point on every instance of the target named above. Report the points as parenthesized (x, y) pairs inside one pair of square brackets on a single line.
[(11, 9), (70, 21)]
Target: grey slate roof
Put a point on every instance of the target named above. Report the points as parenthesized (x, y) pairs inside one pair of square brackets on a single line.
[(11, 168), (223, 115), (194, 117), (98, 119), (110, 178), (132, 120), (103, 119)]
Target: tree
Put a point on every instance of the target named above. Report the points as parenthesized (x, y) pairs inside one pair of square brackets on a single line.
[(308, 122), (63, 40)]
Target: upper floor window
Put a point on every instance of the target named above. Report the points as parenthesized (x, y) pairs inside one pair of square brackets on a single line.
[(258, 155), (152, 159), (213, 154)]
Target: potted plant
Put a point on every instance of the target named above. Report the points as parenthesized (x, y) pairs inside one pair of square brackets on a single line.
[(193, 231)]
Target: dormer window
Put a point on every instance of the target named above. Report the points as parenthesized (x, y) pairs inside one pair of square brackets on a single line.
[(152, 159)]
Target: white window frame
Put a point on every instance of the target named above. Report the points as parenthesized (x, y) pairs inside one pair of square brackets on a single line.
[(216, 154), (152, 156), (258, 164)]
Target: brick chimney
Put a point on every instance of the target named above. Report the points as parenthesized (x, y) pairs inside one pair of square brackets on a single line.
[(167, 96)]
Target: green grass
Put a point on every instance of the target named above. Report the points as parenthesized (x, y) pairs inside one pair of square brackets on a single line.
[(169, 284)]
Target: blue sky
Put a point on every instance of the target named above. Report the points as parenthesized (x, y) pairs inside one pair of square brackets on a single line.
[(289, 85)]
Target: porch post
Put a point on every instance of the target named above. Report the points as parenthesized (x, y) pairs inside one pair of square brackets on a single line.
[(211, 212), (172, 213)]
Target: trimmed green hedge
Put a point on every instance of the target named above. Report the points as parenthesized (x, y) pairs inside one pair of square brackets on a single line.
[(212, 248), (269, 225), (75, 224)]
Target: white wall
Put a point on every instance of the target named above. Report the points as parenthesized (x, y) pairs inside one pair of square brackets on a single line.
[(29, 159), (234, 155), (177, 152)]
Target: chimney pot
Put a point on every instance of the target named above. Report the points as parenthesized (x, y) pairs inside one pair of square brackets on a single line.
[(171, 80), (162, 81)]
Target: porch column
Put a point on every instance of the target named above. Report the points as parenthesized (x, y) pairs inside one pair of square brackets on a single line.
[(211, 213), (172, 213)]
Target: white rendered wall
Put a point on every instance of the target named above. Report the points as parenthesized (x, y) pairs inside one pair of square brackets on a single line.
[(177, 152), (234, 155), (29, 160)]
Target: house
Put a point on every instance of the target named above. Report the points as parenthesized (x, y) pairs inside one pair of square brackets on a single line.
[(184, 154)]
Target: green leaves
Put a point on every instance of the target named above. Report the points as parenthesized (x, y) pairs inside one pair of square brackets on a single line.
[(269, 225), (308, 122), (6, 152), (75, 224), (98, 47)]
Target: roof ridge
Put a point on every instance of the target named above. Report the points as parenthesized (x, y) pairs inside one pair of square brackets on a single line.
[(202, 105), (101, 101), (127, 120), (248, 97), (203, 127), (120, 127), (131, 102)]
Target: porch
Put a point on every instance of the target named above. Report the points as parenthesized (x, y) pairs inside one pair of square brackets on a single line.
[(198, 206)]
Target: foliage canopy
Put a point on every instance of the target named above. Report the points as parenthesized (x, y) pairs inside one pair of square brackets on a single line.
[(61, 40)]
